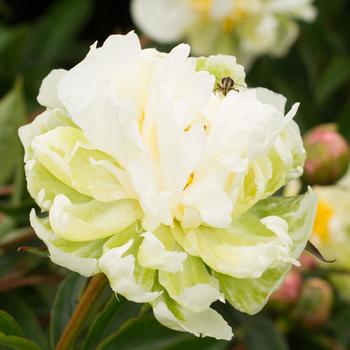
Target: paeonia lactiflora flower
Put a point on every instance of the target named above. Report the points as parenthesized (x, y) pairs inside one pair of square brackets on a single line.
[(245, 28), (157, 170), (332, 230)]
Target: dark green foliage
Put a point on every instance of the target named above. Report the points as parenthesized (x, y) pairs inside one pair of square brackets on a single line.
[(35, 307)]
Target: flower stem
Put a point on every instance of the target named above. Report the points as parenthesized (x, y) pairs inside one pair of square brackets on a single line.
[(86, 304)]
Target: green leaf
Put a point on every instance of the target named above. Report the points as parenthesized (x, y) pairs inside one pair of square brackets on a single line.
[(65, 302), (12, 116), (8, 326), (17, 343), (52, 39), (115, 313), (17, 306), (145, 333), (58, 28), (200, 344), (316, 253), (262, 334), (335, 75)]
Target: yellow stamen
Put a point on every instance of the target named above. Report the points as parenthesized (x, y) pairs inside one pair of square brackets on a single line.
[(321, 225), (202, 6)]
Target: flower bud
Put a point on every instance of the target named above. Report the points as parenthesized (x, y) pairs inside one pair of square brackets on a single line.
[(328, 155), (308, 262), (290, 289), (315, 302)]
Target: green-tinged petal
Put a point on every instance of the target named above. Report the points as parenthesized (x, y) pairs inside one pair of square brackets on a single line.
[(80, 257), (257, 240), (44, 187), (193, 287), (222, 66), (206, 323), (66, 153), (91, 220), (125, 275), (159, 251), (249, 294), (44, 122)]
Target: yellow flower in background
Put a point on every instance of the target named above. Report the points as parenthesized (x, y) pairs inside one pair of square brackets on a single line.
[(331, 233), (158, 170), (244, 28), (332, 221)]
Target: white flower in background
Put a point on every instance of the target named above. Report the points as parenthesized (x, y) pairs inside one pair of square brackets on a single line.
[(332, 230), (157, 170), (244, 28)]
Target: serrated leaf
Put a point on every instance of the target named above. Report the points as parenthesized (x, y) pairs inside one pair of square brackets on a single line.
[(65, 302), (12, 116), (8, 325)]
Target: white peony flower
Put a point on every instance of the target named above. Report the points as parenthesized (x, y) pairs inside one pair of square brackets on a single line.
[(157, 170), (245, 28)]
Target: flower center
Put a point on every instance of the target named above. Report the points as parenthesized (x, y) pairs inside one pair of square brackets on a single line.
[(237, 12), (321, 225)]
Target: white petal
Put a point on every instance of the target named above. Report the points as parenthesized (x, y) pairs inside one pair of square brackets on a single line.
[(152, 254), (48, 90), (207, 323), (119, 268)]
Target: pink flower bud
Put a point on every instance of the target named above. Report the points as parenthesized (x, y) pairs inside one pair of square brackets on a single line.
[(290, 289), (308, 262), (328, 155)]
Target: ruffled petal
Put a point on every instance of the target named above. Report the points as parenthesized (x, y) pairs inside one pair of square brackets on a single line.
[(193, 287), (206, 323), (159, 251), (48, 90), (44, 122), (125, 275), (81, 257), (250, 295), (256, 241), (91, 220), (165, 21), (44, 187), (66, 154)]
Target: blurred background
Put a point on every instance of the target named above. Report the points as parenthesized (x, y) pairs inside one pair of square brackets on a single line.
[(312, 309)]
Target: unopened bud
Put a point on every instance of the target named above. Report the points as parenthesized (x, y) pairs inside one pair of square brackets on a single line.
[(290, 289), (315, 302), (328, 155)]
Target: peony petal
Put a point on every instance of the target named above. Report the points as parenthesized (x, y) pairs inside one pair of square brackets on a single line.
[(125, 275), (91, 220), (160, 252), (48, 90), (165, 21), (250, 295), (206, 323), (66, 154), (248, 248), (44, 122), (81, 257), (193, 287)]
